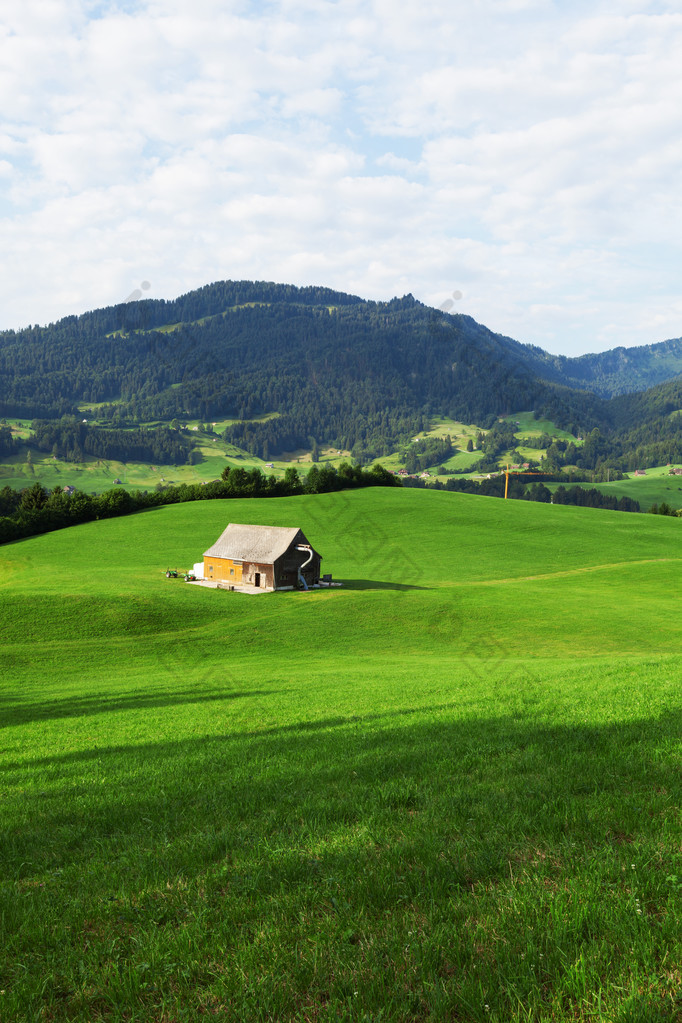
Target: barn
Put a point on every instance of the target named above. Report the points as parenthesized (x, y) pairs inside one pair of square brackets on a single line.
[(268, 557)]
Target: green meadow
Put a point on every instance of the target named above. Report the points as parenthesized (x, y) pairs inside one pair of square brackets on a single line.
[(529, 426), (96, 475), (656, 487), (447, 791)]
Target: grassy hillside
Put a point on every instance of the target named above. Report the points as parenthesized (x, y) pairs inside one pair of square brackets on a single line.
[(448, 790), (655, 487), (96, 475), (529, 426)]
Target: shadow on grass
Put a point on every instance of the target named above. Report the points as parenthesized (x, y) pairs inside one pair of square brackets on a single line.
[(16, 712), (376, 584), (502, 777), (443, 846), (321, 725)]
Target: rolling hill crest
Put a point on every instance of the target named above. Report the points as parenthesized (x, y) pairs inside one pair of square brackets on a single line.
[(312, 364)]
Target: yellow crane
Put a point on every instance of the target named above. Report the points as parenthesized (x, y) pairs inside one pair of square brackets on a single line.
[(517, 472)]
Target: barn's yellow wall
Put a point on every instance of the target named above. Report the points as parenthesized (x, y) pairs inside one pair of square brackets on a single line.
[(223, 570)]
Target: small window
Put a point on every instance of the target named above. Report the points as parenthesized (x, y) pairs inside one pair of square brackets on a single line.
[(231, 571)]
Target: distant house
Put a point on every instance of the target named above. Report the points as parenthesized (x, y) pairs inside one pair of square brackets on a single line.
[(69, 490), (640, 472), (268, 557)]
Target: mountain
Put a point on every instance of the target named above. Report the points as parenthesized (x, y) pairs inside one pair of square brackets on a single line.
[(322, 365), (295, 366), (618, 371)]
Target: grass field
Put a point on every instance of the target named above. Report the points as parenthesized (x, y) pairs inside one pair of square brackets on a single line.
[(96, 475), (448, 791), (528, 426), (654, 488)]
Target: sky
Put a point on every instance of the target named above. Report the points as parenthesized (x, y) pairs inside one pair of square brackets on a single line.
[(519, 161)]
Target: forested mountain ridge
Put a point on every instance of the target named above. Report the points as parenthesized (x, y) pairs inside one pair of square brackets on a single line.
[(333, 367), (615, 372), (326, 366)]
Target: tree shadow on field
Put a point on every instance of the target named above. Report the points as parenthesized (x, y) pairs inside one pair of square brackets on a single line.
[(507, 779), (19, 712), (375, 584), (320, 725), (487, 838)]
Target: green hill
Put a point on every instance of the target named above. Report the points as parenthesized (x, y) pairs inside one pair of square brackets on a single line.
[(287, 369), (615, 372), (337, 370), (447, 790)]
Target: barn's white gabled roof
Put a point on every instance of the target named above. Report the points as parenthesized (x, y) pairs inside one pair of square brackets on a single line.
[(262, 544)]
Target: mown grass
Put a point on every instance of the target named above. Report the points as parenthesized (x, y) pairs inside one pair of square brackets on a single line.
[(448, 791), (656, 487), (94, 475), (529, 426)]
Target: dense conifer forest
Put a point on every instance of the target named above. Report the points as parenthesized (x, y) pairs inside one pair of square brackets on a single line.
[(300, 367), (71, 439), (359, 375)]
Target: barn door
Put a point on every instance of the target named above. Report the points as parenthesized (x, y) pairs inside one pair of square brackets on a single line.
[(257, 579)]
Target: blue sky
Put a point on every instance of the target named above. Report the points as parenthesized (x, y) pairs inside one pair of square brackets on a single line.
[(524, 154)]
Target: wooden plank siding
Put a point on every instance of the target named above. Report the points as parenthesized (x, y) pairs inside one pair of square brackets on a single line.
[(267, 557), (223, 569)]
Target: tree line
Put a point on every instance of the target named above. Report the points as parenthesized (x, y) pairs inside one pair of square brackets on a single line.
[(35, 509), (536, 491), (7, 443), (72, 439), (421, 454)]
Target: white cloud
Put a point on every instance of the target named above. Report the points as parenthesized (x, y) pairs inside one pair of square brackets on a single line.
[(525, 155)]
